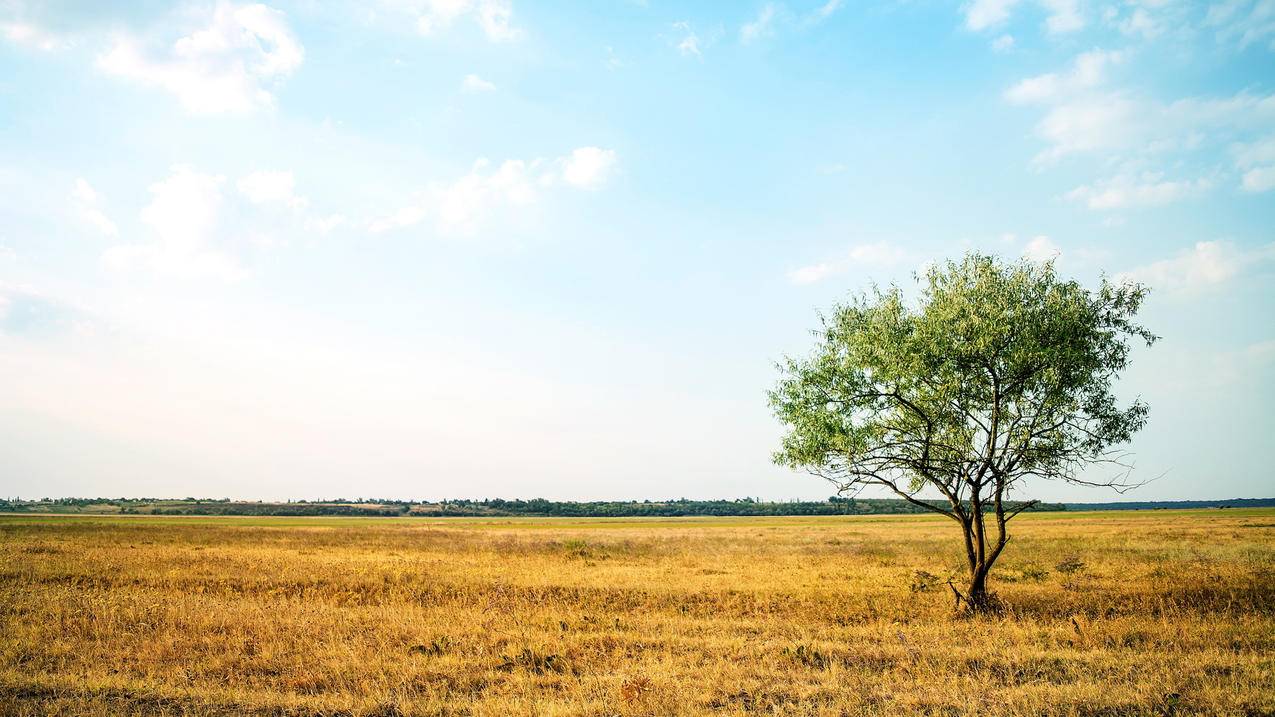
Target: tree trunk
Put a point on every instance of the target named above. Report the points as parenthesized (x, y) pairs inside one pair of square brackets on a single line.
[(977, 598)]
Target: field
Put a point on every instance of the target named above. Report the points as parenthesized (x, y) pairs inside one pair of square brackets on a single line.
[(1164, 612)]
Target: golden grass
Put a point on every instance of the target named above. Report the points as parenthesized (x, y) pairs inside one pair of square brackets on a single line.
[(1173, 612)]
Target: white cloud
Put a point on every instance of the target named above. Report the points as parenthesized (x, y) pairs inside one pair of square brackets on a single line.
[(613, 61), (588, 167), (183, 215), (689, 44), (772, 17), (1143, 24), (982, 14), (271, 188), (27, 35), (475, 84), (227, 67), (876, 255), (440, 14), (1041, 248), (1237, 24), (1004, 43), (85, 202), (278, 189), (459, 206), (1061, 15), (1243, 22), (760, 27), (811, 274), (1108, 123), (325, 225), (1064, 16), (462, 202), (1257, 160), (1088, 70), (494, 17), (1083, 115), (1260, 179), (1259, 152), (1148, 189), (825, 11), (184, 208), (1207, 265)]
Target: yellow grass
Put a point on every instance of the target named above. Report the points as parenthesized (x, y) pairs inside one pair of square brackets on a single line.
[(1174, 612)]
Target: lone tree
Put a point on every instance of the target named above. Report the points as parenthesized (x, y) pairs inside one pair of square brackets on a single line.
[(1001, 372)]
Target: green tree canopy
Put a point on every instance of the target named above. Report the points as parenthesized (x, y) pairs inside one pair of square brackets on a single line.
[(1000, 372)]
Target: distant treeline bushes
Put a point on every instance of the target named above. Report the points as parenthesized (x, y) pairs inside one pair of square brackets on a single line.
[(539, 507), (496, 507)]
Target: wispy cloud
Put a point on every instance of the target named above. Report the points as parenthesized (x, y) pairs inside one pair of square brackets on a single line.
[(229, 66), (825, 11), (1041, 248), (759, 27), (1243, 22), (200, 226), (86, 204), (184, 215), (687, 41), (26, 34), (1148, 189), (588, 167), (1257, 161), (875, 255), (494, 17), (1207, 265), (982, 14), (474, 84), (458, 206), (1087, 114), (1062, 16), (271, 187), (1088, 70)]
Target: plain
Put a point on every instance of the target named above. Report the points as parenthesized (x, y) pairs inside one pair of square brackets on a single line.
[(1154, 612)]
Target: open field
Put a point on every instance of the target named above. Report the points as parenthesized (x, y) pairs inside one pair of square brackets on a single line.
[(1171, 612)]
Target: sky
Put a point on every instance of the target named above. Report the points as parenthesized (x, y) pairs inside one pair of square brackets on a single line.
[(500, 248)]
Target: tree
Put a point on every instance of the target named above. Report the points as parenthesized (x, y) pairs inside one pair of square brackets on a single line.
[(1000, 373)]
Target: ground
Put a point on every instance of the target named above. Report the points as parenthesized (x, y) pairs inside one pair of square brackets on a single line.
[(1158, 612)]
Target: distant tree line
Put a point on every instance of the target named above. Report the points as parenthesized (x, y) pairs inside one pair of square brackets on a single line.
[(494, 507), (1175, 504), (540, 507)]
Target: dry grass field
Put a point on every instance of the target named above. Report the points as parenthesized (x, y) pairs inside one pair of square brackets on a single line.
[(1108, 614)]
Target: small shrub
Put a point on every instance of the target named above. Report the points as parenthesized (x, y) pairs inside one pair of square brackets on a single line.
[(1070, 564), (809, 656), (923, 581), (1033, 573), (582, 549), (436, 646), (535, 662)]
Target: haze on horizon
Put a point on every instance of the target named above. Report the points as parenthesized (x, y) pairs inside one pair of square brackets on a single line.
[(494, 248)]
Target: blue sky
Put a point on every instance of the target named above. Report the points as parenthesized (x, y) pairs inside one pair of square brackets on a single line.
[(472, 248)]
